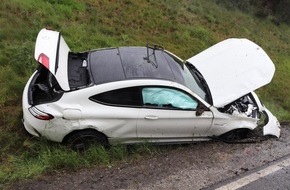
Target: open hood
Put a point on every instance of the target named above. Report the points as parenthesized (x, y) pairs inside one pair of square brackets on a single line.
[(52, 52), (233, 68)]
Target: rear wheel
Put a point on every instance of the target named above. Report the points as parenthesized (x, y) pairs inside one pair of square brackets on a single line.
[(82, 140)]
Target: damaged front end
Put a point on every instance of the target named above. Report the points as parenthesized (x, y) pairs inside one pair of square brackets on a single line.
[(244, 106), (250, 106), (271, 125)]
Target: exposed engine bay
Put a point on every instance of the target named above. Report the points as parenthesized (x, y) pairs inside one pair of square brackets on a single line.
[(244, 106)]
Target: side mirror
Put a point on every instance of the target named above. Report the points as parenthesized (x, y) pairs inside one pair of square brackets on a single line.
[(200, 109)]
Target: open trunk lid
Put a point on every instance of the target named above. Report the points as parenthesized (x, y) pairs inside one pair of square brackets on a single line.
[(233, 68), (52, 52)]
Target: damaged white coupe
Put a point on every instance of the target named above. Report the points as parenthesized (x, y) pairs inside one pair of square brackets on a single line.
[(146, 94)]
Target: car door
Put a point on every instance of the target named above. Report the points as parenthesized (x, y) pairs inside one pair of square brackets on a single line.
[(170, 113)]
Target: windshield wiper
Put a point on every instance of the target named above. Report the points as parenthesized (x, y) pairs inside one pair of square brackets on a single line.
[(202, 81), (153, 47)]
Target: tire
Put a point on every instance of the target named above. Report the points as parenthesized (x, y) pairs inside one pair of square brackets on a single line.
[(234, 135), (82, 140)]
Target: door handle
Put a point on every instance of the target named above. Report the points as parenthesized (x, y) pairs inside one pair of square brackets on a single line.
[(151, 117)]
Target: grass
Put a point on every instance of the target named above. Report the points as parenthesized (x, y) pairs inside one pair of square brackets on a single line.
[(41, 157), (185, 29)]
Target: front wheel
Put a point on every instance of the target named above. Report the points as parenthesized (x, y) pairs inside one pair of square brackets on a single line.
[(82, 140), (236, 134)]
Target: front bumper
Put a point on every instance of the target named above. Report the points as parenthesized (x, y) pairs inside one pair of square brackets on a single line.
[(272, 125)]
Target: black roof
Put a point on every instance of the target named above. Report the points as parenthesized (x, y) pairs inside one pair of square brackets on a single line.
[(115, 64)]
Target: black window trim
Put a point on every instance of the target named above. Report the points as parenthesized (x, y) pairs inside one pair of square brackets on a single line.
[(119, 105)]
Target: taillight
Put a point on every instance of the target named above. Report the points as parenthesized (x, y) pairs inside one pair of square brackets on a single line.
[(44, 60), (40, 114)]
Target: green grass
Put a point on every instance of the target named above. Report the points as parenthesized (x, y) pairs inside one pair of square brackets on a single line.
[(38, 157), (184, 28)]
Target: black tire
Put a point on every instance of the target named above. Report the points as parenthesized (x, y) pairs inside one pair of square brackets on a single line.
[(236, 134), (82, 140)]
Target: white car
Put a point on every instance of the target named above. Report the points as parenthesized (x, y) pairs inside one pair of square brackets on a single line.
[(136, 94)]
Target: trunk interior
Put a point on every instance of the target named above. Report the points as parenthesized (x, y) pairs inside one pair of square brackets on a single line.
[(43, 88)]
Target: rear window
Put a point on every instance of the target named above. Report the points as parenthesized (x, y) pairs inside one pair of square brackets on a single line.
[(120, 97)]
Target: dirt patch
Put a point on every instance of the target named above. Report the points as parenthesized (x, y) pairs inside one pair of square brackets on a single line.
[(193, 166)]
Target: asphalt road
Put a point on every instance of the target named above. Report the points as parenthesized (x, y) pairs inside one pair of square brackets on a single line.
[(273, 176), (277, 180)]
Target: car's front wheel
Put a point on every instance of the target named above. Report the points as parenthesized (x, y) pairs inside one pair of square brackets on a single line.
[(234, 135), (82, 140)]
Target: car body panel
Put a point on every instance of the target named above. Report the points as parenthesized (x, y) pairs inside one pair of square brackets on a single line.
[(28, 120), (99, 117), (162, 123), (52, 45), (223, 123), (273, 126), (233, 68)]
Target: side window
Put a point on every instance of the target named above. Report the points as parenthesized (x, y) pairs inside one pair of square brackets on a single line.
[(119, 97), (167, 98)]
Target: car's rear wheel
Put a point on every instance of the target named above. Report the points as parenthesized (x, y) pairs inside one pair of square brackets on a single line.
[(234, 135), (82, 140)]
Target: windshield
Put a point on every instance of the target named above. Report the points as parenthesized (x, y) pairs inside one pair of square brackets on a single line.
[(195, 82), (186, 74)]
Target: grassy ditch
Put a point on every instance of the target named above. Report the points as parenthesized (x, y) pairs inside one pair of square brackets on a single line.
[(185, 29), (41, 157)]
